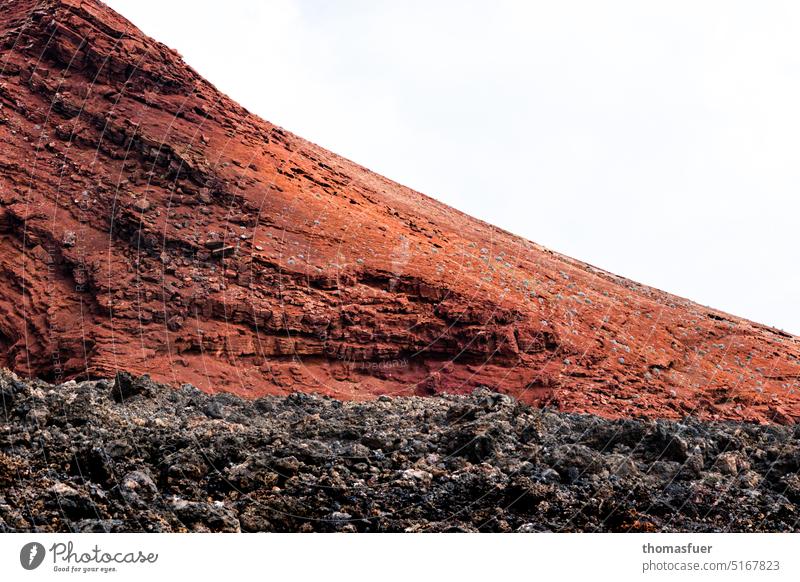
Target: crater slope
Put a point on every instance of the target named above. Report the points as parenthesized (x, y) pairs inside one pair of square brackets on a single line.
[(151, 224)]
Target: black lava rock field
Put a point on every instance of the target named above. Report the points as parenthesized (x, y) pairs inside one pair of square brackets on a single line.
[(131, 455)]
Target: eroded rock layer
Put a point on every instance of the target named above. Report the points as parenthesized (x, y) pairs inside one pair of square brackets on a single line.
[(149, 223)]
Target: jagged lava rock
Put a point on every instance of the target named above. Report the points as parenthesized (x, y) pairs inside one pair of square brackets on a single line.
[(151, 224)]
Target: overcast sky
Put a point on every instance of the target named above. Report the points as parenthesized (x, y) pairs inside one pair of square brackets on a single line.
[(657, 140)]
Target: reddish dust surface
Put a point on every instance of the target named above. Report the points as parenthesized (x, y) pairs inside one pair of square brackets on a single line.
[(149, 223)]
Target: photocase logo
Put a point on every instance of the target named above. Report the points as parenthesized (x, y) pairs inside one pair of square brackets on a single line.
[(31, 555)]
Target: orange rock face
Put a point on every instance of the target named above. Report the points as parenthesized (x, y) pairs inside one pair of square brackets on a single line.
[(149, 223)]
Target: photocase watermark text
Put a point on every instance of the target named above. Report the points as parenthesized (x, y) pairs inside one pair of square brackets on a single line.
[(65, 553)]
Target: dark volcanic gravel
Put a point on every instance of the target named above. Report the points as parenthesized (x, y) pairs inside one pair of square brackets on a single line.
[(136, 456)]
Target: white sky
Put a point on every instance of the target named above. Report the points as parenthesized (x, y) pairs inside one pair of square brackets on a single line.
[(657, 140)]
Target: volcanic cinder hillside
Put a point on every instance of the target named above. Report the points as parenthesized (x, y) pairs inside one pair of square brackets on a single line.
[(149, 223)]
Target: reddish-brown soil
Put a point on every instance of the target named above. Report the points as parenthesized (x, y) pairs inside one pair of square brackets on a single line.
[(149, 223)]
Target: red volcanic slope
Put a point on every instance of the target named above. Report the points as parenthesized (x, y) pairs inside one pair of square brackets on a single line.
[(149, 223)]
